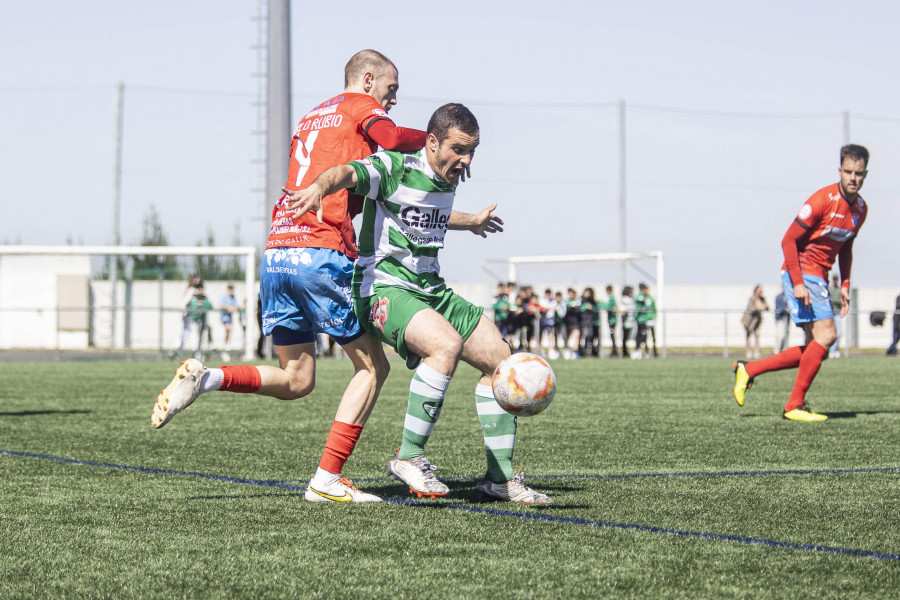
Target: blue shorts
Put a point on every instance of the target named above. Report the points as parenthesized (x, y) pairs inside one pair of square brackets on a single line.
[(820, 300), (306, 291)]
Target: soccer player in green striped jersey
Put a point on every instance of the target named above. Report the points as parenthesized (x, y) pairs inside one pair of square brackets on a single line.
[(402, 300)]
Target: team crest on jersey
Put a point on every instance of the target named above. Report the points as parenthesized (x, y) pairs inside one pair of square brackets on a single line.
[(855, 218), (379, 314), (805, 211), (859, 202)]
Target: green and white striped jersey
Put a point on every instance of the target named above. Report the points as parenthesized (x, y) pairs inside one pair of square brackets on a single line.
[(404, 220)]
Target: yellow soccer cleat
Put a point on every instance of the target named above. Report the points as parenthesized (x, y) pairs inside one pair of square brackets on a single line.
[(742, 382), (180, 393), (802, 413)]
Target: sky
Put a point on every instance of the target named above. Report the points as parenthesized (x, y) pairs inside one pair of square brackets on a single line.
[(734, 116)]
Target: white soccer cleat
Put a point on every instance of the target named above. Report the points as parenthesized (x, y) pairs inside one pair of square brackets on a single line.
[(513, 490), (180, 393), (340, 491), (418, 474)]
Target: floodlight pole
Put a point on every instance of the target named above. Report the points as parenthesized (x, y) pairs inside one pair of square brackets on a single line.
[(623, 243), (278, 103)]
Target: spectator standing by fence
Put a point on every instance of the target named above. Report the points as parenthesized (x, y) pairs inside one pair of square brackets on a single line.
[(892, 349), (752, 320), (782, 323), (612, 317), (645, 316), (588, 321), (501, 310), (626, 310)]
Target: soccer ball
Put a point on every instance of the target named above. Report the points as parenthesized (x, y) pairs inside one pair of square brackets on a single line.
[(524, 384)]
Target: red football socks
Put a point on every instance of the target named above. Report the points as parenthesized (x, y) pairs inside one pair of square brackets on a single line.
[(788, 359), (243, 379), (339, 446), (810, 362)]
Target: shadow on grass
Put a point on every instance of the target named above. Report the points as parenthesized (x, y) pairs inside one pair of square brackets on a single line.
[(855, 413), (464, 492), (37, 413), (831, 415)]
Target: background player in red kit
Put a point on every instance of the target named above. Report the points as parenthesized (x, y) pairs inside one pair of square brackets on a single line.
[(305, 276), (824, 230)]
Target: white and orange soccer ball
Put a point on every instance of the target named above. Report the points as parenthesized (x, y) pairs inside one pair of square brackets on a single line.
[(524, 384)]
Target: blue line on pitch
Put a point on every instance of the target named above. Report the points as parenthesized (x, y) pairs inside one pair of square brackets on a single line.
[(651, 529), (532, 515), (89, 463)]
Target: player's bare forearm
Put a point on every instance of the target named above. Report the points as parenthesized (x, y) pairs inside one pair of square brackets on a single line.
[(483, 223), (334, 179)]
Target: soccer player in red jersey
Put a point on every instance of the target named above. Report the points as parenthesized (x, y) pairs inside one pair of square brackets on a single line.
[(823, 231), (306, 273)]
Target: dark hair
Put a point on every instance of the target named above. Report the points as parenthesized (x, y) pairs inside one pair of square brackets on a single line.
[(365, 60), (855, 152), (452, 116)]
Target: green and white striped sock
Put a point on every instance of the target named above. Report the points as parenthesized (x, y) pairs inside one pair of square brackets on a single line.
[(499, 430), (426, 395)]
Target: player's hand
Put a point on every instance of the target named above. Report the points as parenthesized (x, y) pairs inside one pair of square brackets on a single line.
[(801, 293), (305, 200), (845, 302), (486, 222)]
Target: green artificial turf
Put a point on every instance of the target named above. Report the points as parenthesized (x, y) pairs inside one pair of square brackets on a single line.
[(662, 488)]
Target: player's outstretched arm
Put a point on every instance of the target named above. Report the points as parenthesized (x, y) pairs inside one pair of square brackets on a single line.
[(334, 179), (481, 224)]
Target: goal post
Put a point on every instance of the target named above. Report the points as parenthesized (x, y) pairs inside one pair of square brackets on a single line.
[(514, 264), (248, 252)]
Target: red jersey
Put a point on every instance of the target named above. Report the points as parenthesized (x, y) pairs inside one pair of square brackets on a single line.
[(333, 133), (830, 222)]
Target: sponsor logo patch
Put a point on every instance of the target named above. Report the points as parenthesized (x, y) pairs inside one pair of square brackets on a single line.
[(379, 314), (433, 409)]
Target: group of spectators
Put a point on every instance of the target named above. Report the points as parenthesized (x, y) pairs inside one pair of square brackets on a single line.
[(196, 332), (570, 327)]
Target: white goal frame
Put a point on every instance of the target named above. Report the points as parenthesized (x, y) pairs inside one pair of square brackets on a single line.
[(247, 251)]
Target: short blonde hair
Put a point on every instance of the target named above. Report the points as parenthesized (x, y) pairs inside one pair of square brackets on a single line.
[(365, 60)]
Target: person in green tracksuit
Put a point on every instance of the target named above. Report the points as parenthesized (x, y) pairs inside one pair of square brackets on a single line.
[(612, 317), (645, 315)]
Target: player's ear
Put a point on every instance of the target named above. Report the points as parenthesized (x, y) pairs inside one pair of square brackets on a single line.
[(432, 142)]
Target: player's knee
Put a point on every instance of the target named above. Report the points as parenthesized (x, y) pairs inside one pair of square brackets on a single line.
[(297, 388), (382, 370), (450, 350)]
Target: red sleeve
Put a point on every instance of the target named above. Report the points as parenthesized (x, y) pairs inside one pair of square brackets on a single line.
[(794, 234), (845, 260), (390, 137)]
